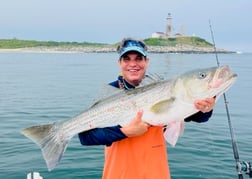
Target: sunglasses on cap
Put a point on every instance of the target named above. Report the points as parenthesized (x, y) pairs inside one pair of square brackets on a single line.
[(132, 45), (128, 43)]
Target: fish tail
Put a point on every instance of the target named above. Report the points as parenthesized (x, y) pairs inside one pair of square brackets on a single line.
[(51, 141)]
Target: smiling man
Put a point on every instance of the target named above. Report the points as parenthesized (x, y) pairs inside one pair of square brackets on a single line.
[(137, 150)]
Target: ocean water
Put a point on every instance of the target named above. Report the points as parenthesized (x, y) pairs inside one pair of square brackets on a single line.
[(40, 88)]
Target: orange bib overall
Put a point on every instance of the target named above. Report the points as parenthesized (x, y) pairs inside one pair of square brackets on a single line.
[(142, 157)]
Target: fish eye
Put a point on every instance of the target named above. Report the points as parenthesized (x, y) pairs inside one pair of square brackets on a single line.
[(202, 75)]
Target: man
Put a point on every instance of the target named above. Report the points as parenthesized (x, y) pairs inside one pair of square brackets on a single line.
[(136, 151)]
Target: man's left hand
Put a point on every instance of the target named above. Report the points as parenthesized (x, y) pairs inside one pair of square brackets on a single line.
[(205, 105)]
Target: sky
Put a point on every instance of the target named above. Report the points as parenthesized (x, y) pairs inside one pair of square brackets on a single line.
[(108, 21)]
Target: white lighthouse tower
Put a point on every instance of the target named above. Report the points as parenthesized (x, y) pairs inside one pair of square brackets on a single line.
[(168, 25)]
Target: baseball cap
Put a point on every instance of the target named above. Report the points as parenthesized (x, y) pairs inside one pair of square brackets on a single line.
[(129, 44)]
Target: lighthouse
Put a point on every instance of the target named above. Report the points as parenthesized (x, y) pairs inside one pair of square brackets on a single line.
[(168, 25)]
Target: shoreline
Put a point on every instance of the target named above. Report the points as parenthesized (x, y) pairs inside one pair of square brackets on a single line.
[(112, 49)]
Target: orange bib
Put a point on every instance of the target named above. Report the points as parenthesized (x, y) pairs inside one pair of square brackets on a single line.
[(142, 157)]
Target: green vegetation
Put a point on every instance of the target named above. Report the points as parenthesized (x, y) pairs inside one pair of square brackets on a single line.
[(15, 43), (161, 42), (174, 41)]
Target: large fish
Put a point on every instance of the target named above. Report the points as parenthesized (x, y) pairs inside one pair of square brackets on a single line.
[(164, 102)]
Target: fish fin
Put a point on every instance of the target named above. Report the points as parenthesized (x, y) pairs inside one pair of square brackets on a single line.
[(150, 78), (51, 142), (105, 92), (162, 106), (173, 131)]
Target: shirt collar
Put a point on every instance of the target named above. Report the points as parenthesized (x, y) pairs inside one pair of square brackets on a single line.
[(124, 83)]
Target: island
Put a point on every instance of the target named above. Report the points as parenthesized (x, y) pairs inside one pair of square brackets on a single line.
[(179, 44)]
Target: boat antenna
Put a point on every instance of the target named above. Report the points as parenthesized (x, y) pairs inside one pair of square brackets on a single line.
[(241, 166)]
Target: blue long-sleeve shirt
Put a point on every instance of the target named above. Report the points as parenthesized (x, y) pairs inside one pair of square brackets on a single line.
[(108, 135)]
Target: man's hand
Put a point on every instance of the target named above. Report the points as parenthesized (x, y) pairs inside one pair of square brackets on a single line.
[(205, 105), (136, 127)]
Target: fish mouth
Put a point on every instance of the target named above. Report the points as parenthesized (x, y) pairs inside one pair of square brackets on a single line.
[(224, 86), (224, 72), (222, 75)]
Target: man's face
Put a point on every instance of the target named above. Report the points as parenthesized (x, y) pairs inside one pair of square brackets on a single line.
[(133, 66)]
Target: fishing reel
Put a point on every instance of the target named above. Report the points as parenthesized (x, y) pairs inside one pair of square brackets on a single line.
[(244, 167)]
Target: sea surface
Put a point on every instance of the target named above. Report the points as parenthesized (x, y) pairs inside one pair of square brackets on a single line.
[(40, 88)]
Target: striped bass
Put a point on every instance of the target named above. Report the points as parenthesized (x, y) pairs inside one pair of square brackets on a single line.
[(164, 102)]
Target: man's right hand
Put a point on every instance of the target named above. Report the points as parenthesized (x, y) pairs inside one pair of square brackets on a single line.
[(136, 127)]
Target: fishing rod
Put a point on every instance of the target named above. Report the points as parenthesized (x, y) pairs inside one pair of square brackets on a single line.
[(241, 166)]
